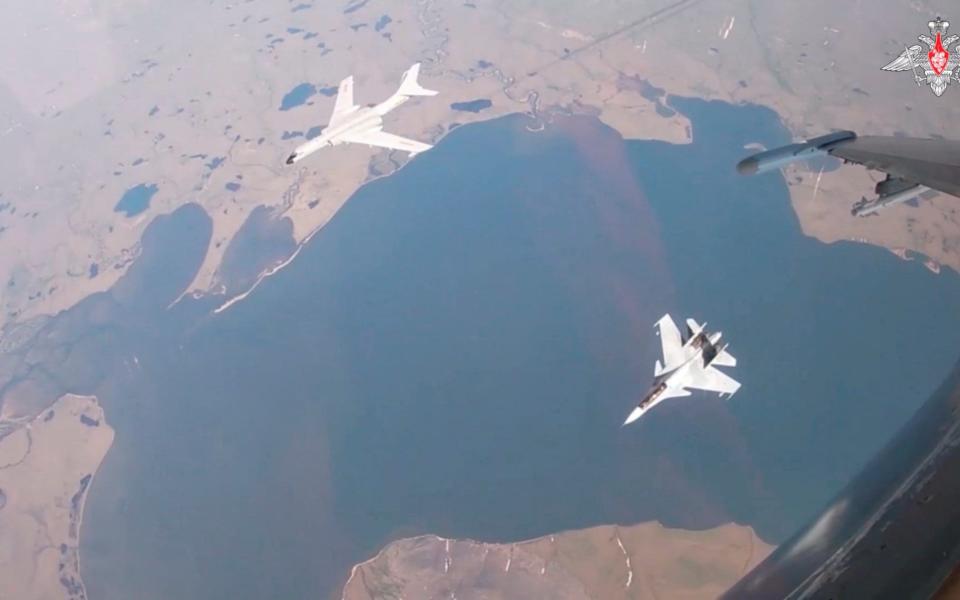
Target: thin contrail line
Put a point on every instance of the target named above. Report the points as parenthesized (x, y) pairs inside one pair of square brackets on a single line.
[(646, 20)]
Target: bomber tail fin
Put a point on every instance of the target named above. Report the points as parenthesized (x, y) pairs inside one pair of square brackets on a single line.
[(409, 85)]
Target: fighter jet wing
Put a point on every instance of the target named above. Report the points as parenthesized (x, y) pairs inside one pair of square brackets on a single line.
[(710, 380), (912, 165), (344, 104), (672, 344), (934, 163), (387, 140)]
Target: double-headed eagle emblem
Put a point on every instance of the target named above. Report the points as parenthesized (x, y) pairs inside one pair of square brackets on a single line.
[(938, 68)]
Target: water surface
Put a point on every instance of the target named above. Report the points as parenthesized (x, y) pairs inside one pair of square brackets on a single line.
[(136, 199), (298, 96), (473, 106)]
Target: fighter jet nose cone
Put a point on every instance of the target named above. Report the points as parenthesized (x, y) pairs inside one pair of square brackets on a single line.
[(748, 166), (637, 412), (292, 158)]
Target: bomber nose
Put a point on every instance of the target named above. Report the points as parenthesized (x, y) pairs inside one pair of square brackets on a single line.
[(292, 158)]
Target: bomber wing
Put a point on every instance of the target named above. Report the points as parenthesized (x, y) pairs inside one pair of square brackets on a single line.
[(344, 104), (383, 139)]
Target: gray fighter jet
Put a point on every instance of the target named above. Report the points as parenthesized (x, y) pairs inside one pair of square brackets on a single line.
[(913, 165), (350, 123), (688, 362)]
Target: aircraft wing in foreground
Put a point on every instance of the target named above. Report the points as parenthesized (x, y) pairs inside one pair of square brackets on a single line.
[(913, 165)]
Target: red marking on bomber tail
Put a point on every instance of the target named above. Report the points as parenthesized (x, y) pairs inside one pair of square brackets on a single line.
[(938, 57)]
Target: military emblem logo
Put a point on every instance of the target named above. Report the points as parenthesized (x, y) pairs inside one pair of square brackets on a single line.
[(938, 68)]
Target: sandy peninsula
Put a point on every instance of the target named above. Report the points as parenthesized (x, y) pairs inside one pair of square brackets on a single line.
[(645, 561), (46, 469)]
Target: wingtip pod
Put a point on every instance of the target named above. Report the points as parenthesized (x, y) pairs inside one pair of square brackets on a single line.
[(748, 166), (774, 159), (409, 85)]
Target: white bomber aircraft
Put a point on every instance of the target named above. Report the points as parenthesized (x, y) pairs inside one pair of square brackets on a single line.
[(688, 362), (350, 123)]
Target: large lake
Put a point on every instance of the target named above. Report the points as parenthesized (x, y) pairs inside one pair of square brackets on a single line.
[(455, 353)]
